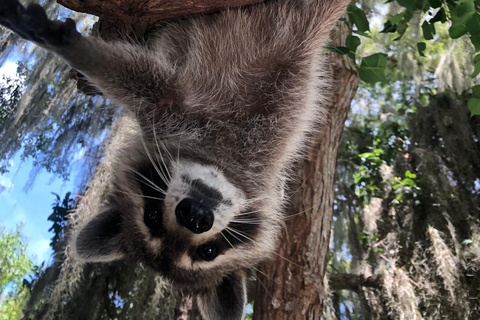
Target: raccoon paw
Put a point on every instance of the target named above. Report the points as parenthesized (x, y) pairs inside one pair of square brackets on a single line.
[(32, 24)]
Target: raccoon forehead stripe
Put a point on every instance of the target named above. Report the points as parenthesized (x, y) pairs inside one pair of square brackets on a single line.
[(199, 185)]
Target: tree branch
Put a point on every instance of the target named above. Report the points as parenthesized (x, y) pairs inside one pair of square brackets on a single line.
[(138, 16), (354, 282)]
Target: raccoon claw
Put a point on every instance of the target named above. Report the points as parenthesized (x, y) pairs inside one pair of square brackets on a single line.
[(32, 24)]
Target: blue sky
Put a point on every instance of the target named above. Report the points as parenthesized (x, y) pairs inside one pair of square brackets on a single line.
[(33, 207)]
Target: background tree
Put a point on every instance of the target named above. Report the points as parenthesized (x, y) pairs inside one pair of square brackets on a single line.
[(14, 266), (401, 220)]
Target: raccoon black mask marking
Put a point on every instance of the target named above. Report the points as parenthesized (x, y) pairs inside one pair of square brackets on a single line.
[(224, 103)]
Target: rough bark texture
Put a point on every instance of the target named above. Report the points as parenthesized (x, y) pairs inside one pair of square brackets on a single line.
[(138, 16), (292, 285)]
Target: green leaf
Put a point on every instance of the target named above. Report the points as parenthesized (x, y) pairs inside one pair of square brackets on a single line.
[(421, 46), (340, 50), (474, 106), (440, 16), (408, 182), (473, 27), (378, 151), (358, 17), (428, 30), (401, 28), (456, 32), (476, 91), (396, 18), (352, 42), (408, 174), (391, 25), (466, 241), (372, 68), (435, 3), (366, 155), (460, 15), (409, 4), (463, 10), (388, 27), (476, 62)]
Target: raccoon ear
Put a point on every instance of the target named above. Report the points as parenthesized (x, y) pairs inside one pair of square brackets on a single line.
[(99, 239), (227, 301)]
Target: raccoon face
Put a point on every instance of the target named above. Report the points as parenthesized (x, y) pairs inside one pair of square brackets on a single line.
[(187, 220)]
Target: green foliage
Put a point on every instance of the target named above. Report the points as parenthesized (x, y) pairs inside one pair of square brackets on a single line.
[(421, 46), (474, 106), (370, 241), (61, 208), (383, 139), (372, 68), (405, 188), (460, 15), (14, 266), (358, 18), (476, 62)]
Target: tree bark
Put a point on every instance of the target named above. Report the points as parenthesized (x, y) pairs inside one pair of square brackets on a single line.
[(292, 285)]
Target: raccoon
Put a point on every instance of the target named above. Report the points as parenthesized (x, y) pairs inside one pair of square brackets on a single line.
[(225, 103)]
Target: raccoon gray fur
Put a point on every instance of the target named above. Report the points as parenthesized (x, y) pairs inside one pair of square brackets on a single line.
[(225, 102)]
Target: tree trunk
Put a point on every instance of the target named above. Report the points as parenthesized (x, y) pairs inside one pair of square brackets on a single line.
[(292, 285)]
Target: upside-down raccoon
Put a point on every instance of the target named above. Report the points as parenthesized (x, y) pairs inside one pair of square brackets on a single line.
[(225, 102)]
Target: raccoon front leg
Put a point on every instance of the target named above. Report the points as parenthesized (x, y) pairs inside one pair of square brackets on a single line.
[(123, 72)]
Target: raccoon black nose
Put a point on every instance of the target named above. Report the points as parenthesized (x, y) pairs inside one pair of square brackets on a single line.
[(194, 216)]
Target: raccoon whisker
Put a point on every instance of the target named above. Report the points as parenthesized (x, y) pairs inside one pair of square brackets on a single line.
[(167, 152), (151, 159), (240, 234), (139, 195), (269, 278), (152, 184), (247, 213), (231, 245), (233, 235), (301, 212), (264, 287), (163, 162), (247, 221), (300, 187), (262, 273), (160, 153), (246, 237)]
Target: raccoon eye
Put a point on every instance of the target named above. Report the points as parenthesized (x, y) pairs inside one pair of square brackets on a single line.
[(152, 218), (207, 252)]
